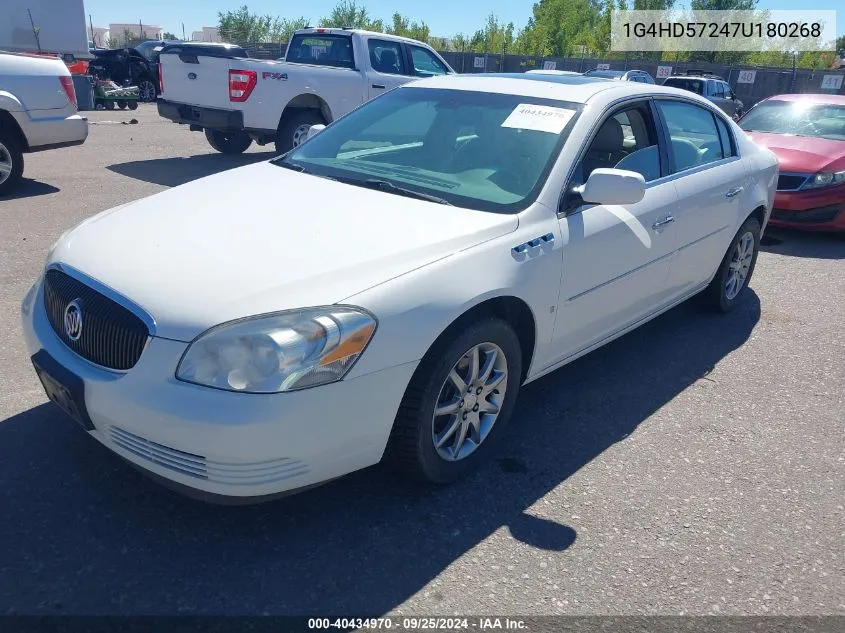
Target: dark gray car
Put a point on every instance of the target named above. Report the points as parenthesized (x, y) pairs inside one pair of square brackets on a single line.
[(712, 88), (640, 76)]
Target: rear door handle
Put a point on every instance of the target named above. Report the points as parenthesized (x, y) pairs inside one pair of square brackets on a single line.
[(733, 192), (658, 226), (379, 86)]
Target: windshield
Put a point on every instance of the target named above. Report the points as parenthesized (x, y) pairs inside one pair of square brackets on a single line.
[(693, 85), (477, 150), (321, 50), (803, 118)]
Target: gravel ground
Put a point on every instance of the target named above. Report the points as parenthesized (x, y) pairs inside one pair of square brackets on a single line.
[(695, 466)]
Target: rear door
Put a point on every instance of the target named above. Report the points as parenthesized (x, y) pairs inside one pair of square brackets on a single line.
[(388, 66), (196, 79)]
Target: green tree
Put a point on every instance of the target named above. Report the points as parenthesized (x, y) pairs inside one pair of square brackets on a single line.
[(169, 36), (281, 29), (113, 42), (349, 14), (242, 26), (403, 27)]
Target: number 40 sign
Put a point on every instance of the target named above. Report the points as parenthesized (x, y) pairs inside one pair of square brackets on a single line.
[(746, 76)]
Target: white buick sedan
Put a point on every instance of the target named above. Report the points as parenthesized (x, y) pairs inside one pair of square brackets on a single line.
[(384, 290)]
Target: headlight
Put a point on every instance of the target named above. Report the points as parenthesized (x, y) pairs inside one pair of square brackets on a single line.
[(825, 179), (279, 352)]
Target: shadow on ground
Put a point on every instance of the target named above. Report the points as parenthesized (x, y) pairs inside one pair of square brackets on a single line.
[(84, 533), (30, 189), (172, 172), (794, 243)]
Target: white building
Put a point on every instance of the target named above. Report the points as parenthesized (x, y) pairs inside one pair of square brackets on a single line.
[(124, 32), (207, 34), (99, 35)]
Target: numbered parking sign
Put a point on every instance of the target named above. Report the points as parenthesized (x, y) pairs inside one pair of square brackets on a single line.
[(478, 62), (664, 72), (549, 65), (831, 82), (746, 76)]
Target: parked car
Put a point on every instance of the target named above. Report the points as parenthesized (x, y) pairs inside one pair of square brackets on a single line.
[(710, 87), (326, 73), (37, 112), (126, 67), (622, 75), (386, 288), (807, 134)]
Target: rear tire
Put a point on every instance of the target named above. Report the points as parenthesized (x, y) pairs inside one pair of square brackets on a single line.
[(11, 162), (147, 90), (293, 130), (412, 446), (228, 142), (730, 284)]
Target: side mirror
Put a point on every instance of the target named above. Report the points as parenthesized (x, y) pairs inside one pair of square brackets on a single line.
[(613, 186), (314, 130)]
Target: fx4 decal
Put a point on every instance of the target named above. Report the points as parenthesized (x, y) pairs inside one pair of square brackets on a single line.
[(276, 76)]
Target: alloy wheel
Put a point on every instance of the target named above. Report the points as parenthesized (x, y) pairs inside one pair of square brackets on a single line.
[(5, 163), (470, 401), (739, 266), (147, 91)]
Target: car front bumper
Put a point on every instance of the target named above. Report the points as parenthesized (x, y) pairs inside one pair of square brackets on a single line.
[(221, 444), (811, 210)]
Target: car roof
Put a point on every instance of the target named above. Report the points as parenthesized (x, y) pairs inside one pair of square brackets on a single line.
[(812, 97), (576, 89)]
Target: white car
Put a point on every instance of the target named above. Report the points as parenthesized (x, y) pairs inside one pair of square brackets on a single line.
[(37, 112), (385, 289)]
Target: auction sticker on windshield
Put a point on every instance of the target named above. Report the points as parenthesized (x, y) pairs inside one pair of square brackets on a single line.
[(527, 116)]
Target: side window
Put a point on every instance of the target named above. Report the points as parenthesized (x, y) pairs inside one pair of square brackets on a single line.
[(386, 57), (728, 92), (625, 140), (694, 138), (426, 64), (725, 138)]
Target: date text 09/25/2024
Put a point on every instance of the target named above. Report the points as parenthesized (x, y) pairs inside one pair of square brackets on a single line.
[(418, 623)]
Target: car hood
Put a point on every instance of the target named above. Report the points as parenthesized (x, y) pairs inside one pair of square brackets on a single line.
[(802, 154), (262, 238)]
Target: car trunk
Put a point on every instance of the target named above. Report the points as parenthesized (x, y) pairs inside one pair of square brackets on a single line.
[(197, 78)]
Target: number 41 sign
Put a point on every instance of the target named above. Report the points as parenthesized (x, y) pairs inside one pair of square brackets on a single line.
[(831, 82)]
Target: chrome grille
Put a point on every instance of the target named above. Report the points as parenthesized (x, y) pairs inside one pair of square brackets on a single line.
[(112, 336), (790, 182)]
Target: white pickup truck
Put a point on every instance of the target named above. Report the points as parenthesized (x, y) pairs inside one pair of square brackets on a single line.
[(37, 112), (326, 73)]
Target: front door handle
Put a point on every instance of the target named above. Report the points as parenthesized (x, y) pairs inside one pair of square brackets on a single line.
[(658, 226), (733, 192), (379, 86)]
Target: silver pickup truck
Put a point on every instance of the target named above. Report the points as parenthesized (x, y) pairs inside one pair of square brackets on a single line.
[(37, 112)]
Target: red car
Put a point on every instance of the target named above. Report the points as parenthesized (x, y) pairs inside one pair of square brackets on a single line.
[(807, 133)]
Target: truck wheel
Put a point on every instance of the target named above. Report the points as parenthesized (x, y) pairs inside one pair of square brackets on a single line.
[(11, 162), (294, 129), (228, 142), (133, 105)]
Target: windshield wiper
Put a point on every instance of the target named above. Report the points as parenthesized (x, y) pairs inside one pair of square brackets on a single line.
[(385, 185)]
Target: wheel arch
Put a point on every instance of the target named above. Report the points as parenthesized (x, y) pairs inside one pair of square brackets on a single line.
[(306, 101), (511, 309), (8, 122)]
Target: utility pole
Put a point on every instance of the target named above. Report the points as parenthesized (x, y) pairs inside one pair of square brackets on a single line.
[(183, 32), (35, 30), (91, 25)]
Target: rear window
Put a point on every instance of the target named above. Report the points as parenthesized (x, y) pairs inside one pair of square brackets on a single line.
[(693, 85), (321, 50)]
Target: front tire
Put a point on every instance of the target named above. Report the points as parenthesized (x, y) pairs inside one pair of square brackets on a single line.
[(228, 142), (147, 90), (11, 162), (730, 284), (458, 404), (294, 129)]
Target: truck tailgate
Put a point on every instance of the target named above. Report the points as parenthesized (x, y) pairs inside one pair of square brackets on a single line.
[(196, 79)]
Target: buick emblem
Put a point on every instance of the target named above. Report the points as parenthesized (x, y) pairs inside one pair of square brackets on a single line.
[(73, 320)]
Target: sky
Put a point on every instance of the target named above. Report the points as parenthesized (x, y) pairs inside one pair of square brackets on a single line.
[(445, 18)]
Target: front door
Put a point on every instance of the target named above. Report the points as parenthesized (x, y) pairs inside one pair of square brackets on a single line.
[(616, 258), (388, 67)]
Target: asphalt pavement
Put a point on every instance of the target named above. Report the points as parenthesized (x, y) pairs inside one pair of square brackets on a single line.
[(695, 466)]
